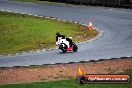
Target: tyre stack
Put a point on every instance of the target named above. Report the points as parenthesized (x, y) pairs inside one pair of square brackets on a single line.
[(109, 3)]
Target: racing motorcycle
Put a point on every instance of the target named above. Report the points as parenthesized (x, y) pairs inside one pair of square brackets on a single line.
[(65, 45)]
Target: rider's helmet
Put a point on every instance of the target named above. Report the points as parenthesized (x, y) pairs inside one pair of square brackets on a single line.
[(57, 33)]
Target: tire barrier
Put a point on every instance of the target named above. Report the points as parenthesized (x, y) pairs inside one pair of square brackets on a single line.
[(107, 3)]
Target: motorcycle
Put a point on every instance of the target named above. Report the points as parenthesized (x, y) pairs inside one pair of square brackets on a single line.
[(65, 45)]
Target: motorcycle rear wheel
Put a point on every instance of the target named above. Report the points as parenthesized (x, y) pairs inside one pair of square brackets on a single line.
[(75, 48)]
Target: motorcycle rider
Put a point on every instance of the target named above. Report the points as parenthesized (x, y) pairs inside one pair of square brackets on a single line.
[(63, 37), (59, 35)]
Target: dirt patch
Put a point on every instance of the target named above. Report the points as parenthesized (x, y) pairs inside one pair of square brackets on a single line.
[(61, 71)]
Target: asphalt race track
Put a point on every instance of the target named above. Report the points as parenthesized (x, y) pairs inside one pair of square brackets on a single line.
[(115, 22)]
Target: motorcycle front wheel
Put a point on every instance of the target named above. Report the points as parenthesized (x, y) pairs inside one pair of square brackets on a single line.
[(63, 47)]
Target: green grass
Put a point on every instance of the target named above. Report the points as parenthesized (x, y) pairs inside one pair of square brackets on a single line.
[(71, 83), (22, 32)]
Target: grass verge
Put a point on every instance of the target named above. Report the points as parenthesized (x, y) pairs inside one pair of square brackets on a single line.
[(22, 32), (70, 83)]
